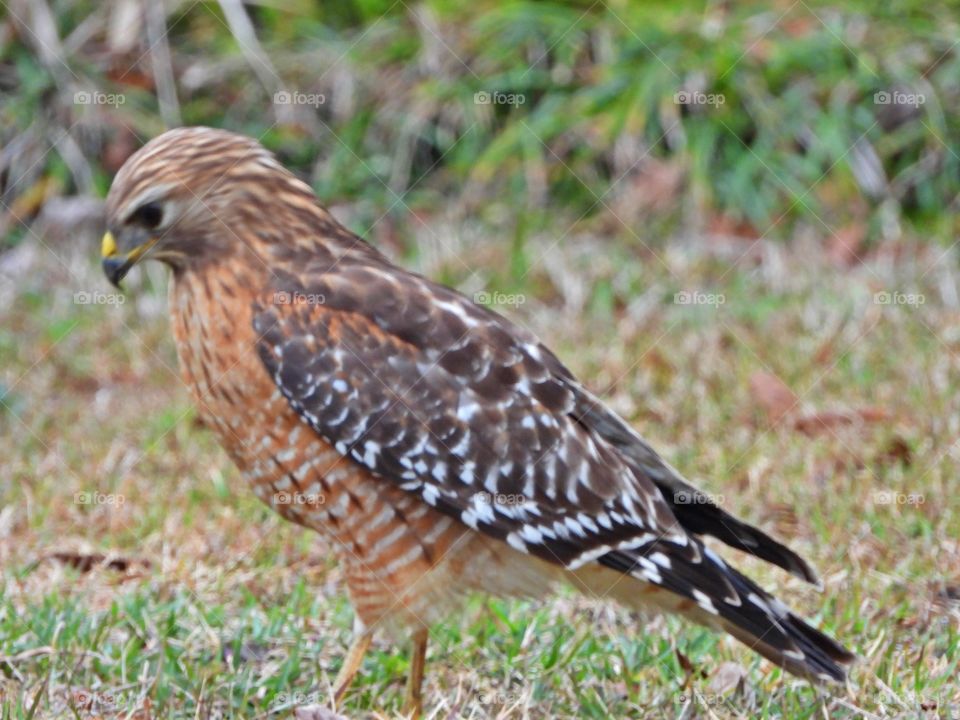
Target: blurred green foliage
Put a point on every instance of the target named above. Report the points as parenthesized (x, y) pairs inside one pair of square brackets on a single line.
[(746, 115)]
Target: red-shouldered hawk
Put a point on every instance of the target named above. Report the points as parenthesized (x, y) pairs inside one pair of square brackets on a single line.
[(438, 447)]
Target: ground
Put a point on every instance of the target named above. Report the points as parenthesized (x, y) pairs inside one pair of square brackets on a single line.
[(817, 398)]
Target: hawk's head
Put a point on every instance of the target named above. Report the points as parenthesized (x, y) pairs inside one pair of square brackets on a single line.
[(176, 198)]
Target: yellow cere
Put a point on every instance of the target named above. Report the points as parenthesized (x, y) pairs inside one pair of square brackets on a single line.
[(108, 245)]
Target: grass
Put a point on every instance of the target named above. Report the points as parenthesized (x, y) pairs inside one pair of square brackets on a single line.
[(215, 607)]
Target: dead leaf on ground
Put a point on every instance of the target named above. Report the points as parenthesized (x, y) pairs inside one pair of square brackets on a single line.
[(826, 352), (873, 414), (772, 395), (687, 665), (654, 187), (846, 244), (728, 677), (726, 226), (85, 562), (785, 519), (896, 451), (948, 597), (824, 421), (800, 26)]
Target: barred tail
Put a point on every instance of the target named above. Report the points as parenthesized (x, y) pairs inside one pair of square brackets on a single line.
[(707, 590)]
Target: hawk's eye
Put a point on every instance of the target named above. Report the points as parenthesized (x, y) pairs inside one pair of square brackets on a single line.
[(148, 215)]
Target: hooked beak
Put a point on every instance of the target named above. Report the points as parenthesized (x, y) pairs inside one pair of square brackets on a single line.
[(116, 265)]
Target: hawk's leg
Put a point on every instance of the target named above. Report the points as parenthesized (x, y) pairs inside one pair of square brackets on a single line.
[(351, 663), (414, 702)]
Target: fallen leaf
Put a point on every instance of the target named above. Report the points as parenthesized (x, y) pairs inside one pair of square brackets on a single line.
[(896, 451), (825, 352), (844, 246), (784, 518), (85, 562), (824, 421), (800, 26), (772, 395), (947, 596), (873, 414), (728, 677), (655, 187), (727, 226)]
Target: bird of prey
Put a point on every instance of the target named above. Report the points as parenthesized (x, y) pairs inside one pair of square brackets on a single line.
[(437, 447)]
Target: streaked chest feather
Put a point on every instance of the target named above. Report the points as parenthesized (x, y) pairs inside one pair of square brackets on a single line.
[(287, 464)]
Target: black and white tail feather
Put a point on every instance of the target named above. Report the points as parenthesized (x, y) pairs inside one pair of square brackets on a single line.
[(733, 602)]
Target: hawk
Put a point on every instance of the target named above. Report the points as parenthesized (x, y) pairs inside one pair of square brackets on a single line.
[(436, 446)]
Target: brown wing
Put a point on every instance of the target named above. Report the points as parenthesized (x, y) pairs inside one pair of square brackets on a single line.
[(452, 402)]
